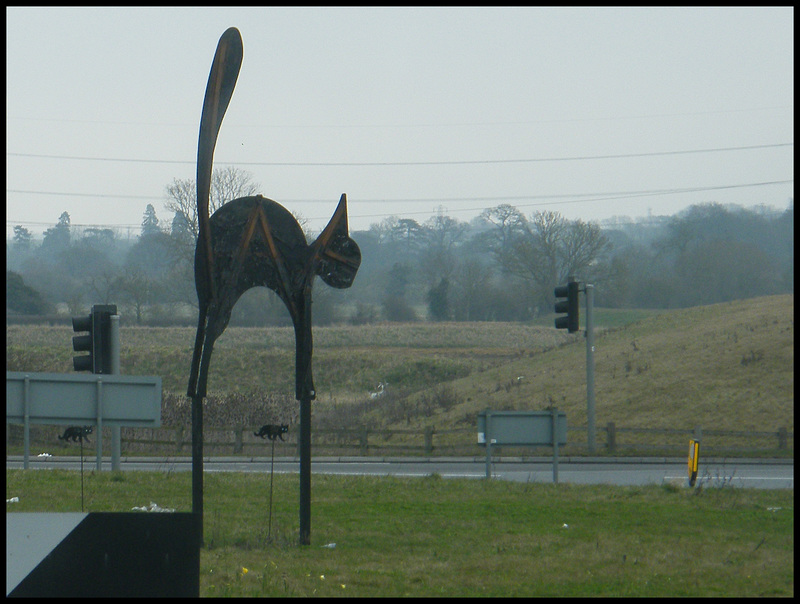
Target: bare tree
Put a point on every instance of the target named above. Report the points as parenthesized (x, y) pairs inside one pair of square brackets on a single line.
[(104, 285), (182, 199), (509, 222), (535, 255), (444, 232), (384, 231), (435, 264), (473, 280), (230, 183), (139, 290), (552, 248), (583, 245), (227, 184)]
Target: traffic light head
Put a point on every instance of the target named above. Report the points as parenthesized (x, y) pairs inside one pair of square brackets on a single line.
[(97, 342), (568, 305), (83, 344)]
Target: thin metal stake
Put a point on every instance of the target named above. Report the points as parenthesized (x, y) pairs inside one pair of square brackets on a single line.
[(271, 476), (305, 470), (554, 417), (197, 465), (81, 439)]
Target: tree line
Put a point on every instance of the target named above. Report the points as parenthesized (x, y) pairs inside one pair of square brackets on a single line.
[(500, 266)]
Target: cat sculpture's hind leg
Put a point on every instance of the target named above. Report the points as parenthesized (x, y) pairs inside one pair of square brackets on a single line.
[(198, 351)]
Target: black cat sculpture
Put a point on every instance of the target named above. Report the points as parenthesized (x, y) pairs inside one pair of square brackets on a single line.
[(250, 242), (272, 431), (76, 434), (254, 241)]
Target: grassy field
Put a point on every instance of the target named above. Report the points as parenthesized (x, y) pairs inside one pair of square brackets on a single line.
[(726, 366), (451, 537)]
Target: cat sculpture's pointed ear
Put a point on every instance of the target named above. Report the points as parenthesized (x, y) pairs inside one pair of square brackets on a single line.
[(336, 254)]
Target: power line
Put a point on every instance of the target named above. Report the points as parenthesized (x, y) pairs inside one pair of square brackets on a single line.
[(408, 125), (72, 224), (605, 195), (412, 163), (547, 200), (61, 194), (593, 197)]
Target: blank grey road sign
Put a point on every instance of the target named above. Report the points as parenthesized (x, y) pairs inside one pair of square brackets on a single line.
[(521, 428), (63, 398)]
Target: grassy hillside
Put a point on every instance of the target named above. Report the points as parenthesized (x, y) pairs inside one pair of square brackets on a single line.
[(727, 366), (348, 361)]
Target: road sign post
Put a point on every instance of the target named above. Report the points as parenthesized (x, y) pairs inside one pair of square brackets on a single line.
[(116, 431), (522, 429), (589, 289), (554, 430)]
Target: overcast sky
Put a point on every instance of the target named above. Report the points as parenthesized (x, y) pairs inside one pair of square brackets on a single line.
[(591, 112)]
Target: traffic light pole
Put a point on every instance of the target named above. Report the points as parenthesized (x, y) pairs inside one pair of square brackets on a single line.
[(102, 344), (567, 302), (590, 366), (116, 436)]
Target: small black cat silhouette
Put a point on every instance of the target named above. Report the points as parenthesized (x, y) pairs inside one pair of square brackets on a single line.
[(76, 433), (272, 431)]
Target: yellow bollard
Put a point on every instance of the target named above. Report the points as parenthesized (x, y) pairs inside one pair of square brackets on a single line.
[(694, 454)]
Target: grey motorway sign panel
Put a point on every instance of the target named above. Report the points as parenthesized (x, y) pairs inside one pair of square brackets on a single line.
[(521, 428), (63, 398)]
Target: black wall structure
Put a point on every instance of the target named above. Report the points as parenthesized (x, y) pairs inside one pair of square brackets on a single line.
[(103, 554)]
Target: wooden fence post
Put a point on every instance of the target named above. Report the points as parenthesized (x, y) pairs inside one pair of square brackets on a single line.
[(611, 441), (429, 441), (783, 437), (238, 444), (179, 437)]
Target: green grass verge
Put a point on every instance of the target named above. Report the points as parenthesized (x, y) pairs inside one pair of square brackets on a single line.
[(449, 537)]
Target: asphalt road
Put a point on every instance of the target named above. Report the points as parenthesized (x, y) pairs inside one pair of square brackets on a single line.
[(747, 473)]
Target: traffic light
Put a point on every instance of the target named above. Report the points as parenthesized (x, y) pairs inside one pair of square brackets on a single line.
[(98, 341), (83, 343), (569, 306)]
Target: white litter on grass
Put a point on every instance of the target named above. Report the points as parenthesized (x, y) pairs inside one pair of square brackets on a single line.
[(154, 507), (329, 545), (44, 455), (564, 525), (13, 500), (773, 509)]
